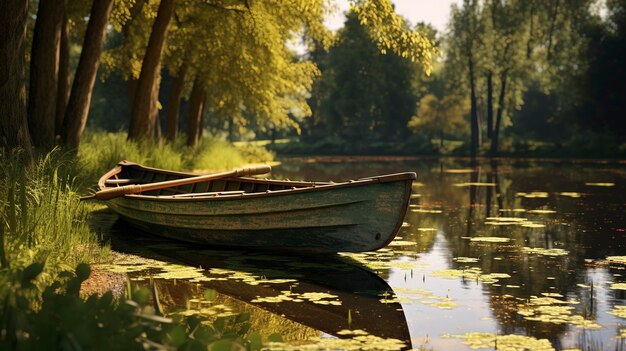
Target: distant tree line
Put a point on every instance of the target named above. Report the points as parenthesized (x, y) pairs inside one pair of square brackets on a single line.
[(526, 70)]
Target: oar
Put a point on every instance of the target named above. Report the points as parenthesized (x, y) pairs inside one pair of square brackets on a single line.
[(108, 194)]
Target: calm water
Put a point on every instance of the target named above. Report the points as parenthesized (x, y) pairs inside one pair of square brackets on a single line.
[(526, 253)]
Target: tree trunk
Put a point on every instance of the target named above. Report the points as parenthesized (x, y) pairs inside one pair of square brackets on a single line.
[(196, 108), (494, 141), (173, 102), (441, 136), (44, 69), (231, 130), (63, 79), (13, 114), (134, 11), (141, 122), (155, 123), (489, 104), (555, 14), (474, 129), (85, 77)]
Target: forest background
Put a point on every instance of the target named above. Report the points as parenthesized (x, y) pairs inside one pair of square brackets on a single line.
[(523, 78)]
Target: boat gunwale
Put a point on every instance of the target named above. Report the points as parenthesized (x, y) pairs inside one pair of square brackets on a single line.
[(309, 186)]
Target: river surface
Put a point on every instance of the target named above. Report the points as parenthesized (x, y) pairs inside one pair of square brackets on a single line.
[(514, 254)]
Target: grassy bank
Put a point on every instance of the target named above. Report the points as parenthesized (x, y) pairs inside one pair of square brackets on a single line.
[(45, 243), (100, 151)]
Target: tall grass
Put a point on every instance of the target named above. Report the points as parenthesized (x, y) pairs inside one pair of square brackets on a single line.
[(41, 218), (44, 233), (100, 151)]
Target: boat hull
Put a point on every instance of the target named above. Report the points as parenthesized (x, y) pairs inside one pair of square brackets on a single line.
[(348, 217)]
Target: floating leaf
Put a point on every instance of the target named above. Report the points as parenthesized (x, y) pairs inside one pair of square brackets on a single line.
[(465, 259), (542, 211), (474, 184), (533, 225), (490, 239), (544, 252), (616, 259), (600, 184), (618, 286), (534, 194), (512, 342), (571, 194), (423, 210), (619, 311), (402, 243)]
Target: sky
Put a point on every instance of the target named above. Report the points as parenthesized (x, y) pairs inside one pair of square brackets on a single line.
[(434, 12)]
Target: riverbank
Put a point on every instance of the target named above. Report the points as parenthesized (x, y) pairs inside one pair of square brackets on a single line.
[(585, 145), (46, 245)]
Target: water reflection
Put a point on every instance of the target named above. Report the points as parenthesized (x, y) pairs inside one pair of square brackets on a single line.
[(508, 248), (543, 228), (297, 296)]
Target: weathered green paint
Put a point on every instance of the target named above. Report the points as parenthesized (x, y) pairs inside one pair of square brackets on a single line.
[(363, 215)]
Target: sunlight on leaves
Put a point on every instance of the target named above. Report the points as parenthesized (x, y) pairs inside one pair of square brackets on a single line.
[(533, 195), (512, 342), (424, 210), (571, 194), (318, 298), (547, 309), (600, 184), (473, 273), (616, 259), (618, 311), (490, 239), (539, 211), (473, 184), (544, 252)]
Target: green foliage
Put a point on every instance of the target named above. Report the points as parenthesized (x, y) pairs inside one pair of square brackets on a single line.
[(436, 117), (418, 144), (390, 32), (63, 320), (367, 95), (41, 217), (100, 151)]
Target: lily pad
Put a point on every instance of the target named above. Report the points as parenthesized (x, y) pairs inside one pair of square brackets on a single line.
[(544, 252), (511, 342)]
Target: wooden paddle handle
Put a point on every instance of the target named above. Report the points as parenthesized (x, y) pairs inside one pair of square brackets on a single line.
[(113, 192)]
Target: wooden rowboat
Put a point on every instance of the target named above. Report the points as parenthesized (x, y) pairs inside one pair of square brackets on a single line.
[(354, 216)]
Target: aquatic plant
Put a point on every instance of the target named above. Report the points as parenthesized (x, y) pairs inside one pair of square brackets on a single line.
[(65, 321)]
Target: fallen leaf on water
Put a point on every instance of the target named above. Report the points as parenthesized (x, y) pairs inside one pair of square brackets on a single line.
[(544, 252), (542, 211), (534, 194), (618, 311), (511, 342), (490, 239), (571, 194), (474, 184), (600, 184)]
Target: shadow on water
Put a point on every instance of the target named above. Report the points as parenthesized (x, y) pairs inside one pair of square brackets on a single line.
[(329, 293), (516, 248)]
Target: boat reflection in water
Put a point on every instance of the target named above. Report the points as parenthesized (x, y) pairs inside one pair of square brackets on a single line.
[(330, 293)]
